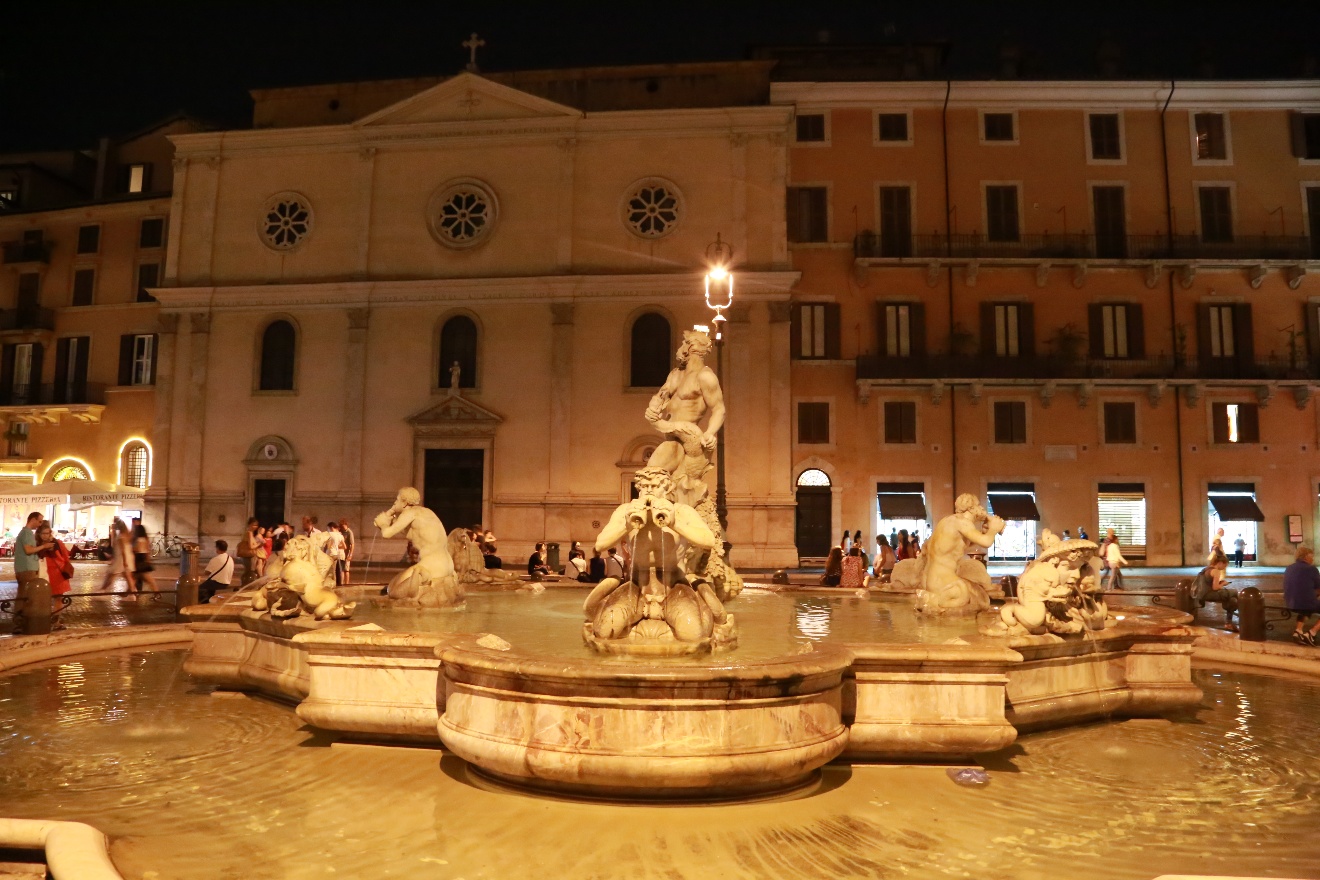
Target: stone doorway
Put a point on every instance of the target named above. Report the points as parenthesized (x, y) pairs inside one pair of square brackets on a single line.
[(268, 497), (815, 507), (454, 484)]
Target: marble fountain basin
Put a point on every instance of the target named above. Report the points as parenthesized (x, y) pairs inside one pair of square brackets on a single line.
[(508, 686)]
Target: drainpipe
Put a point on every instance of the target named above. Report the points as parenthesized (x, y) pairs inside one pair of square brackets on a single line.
[(948, 252), (1173, 327)]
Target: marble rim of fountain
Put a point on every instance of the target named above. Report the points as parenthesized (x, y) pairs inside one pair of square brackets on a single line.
[(71, 849), (18, 652), (643, 730)]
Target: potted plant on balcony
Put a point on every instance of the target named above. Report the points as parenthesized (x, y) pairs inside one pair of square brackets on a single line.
[(1068, 343), (962, 342)]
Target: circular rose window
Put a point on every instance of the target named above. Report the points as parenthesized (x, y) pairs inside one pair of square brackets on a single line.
[(462, 213), (286, 220), (652, 208)]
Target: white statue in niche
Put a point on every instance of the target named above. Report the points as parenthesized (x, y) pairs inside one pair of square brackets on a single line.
[(298, 582), (692, 392), (944, 590), (431, 582), (1058, 592), (667, 605)]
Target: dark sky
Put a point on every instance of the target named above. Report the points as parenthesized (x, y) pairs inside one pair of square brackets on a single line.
[(70, 72)]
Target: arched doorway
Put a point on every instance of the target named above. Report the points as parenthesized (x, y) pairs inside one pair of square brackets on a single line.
[(814, 505)]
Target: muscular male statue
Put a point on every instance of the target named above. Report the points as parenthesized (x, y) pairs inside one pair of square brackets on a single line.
[(430, 583), (664, 598), (691, 391), (943, 590)]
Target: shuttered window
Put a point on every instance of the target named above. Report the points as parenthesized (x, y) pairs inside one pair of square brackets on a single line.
[(813, 422), (808, 214), (815, 331), (1122, 507)]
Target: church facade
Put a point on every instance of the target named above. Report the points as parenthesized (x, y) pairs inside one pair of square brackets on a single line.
[(473, 290)]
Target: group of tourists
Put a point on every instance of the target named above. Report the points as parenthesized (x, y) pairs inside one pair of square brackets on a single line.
[(847, 564), (38, 552), (258, 544), (130, 558)]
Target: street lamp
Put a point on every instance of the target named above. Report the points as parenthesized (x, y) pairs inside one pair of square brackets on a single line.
[(719, 296)]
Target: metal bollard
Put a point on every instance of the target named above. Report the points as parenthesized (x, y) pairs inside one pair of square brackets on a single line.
[(1182, 597), (36, 608), (1251, 615), (189, 578)]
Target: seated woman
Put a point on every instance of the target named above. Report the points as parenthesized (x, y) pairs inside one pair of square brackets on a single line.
[(853, 569), (833, 568)]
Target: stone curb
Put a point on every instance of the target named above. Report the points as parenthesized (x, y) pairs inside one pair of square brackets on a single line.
[(73, 851), (22, 651), (1214, 647)]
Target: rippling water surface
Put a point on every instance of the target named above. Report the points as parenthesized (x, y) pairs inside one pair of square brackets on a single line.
[(192, 784)]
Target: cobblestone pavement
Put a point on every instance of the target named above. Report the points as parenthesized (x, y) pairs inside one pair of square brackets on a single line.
[(88, 608)]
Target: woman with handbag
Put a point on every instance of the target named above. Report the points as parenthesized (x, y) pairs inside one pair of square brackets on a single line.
[(142, 557), (58, 570)]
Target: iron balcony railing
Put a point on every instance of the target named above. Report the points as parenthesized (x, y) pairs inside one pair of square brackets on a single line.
[(1077, 246), (27, 318), (32, 394), (1057, 367), (26, 251)]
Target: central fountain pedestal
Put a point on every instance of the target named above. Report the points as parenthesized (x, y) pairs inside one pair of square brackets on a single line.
[(633, 730)]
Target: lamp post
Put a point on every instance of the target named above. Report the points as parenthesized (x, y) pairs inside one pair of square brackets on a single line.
[(719, 296)]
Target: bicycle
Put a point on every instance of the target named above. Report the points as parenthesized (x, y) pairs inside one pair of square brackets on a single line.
[(169, 545)]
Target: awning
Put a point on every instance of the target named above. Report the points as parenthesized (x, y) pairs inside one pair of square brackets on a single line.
[(75, 493), (1015, 507), (902, 507), (1236, 508)]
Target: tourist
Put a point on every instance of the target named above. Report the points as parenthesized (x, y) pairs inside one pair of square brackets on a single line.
[(577, 560), (857, 542), (58, 569), (350, 544), (1239, 550), (27, 564), (218, 574), (903, 549), (884, 558), (595, 568), (915, 544), (853, 569), (1209, 587), (283, 532), (614, 567), (846, 541), (833, 568), (1114, 561), (1216, 546), (310, 530), (1081, 534), (247, 545), (121, 557), (142, 567), (1301, 594), (536, 566), (893, 539), (1066, 535), (335, 548), (489, 557)]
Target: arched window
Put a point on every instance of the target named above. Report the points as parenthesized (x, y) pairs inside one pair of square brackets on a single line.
[(278, 355), (66, 470), (135, 466), (814, 477), (651, 352), (458, 342)]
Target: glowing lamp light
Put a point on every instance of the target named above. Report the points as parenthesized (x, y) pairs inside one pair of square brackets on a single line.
[(719, 279)]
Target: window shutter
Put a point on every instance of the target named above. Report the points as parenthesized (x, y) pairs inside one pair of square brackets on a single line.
[(820, 213), (1248, 423), (126, 359), (792, 214), (987, 329), (80, 364), (832, 331), (1243, 339), (1136, 331), (37, 350), (61, 370), (1297, 131), (6, 372), (1203, 332), (146, 176), (1219, 421), (1026, 329), (881, 329), (1095, 316), (155, 348), (795, 331), (1311, 315), (917, 328)]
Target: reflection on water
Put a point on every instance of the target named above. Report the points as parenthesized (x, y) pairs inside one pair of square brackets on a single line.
[(770, 624), (194, 785)]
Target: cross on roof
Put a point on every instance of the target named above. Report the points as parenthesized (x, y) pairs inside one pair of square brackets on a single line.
[(472, 44)]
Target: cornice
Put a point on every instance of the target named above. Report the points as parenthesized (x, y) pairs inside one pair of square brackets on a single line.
[(1045, 95), (763, 121), (757, 286), (93, 211)]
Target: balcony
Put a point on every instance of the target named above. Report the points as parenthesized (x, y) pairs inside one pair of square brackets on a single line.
[(27, 251), (27, 318), (45, 395), (1044, 367), (1077, 246)]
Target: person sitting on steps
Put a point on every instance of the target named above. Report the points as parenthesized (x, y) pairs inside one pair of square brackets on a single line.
[(1209, 587)]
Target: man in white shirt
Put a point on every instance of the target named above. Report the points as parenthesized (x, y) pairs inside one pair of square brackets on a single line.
[(614, 564), (337, 550), (218, 574)]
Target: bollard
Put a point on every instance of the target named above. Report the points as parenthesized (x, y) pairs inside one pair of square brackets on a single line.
[(1182, 597), (552, 557), (35, 608), (779, 577), (1008, 585), (189, 578), (1251, 615)]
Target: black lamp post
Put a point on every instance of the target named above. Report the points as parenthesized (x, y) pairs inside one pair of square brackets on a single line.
[(719, 296)]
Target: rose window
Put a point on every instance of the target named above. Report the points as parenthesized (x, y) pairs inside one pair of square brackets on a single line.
[(462, 213), (652, 208), (286, 221)]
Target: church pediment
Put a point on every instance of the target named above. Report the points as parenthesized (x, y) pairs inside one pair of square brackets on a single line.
[(465, 98), (456, 413)]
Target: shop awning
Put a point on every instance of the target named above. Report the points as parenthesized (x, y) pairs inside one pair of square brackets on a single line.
[(1236, 508), (902, 507), (1014, 507), (75, 493)]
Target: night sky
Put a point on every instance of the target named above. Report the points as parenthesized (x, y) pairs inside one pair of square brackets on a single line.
[(70, 72)]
